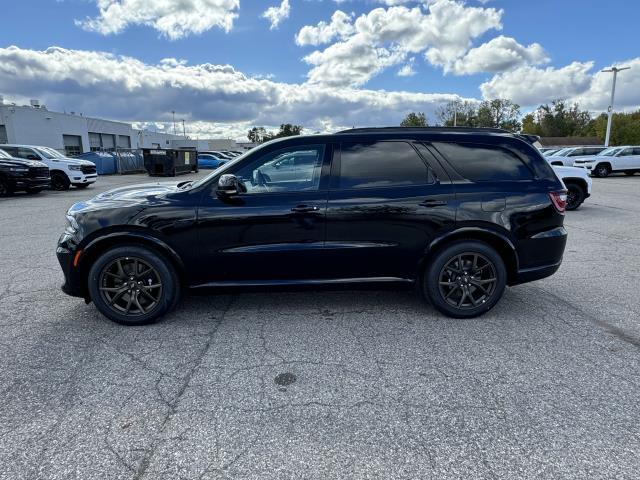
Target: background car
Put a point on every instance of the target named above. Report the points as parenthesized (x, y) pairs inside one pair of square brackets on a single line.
[(17, 174), (64, 171), (566, 156), (616, 159), (209, 161), (578, 183)]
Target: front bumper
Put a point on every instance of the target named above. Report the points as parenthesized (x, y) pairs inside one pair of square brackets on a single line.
[(30, 183), (82, 179)]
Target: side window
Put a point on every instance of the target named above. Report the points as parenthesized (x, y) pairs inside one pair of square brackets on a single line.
[(12, 151), (626, 152), (481, 163), (381, 164), (28, 154), (636, 151), (293, 169), (577, 152)]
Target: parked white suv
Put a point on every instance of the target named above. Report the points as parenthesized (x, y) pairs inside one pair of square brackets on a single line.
[(578, 183), (616, 159), (566, 156), (64, 171)]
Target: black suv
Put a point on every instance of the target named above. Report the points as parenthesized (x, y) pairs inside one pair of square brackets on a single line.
[(17, 174), (460, 212)]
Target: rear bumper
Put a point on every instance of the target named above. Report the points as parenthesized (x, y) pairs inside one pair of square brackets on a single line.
[(540, 256)]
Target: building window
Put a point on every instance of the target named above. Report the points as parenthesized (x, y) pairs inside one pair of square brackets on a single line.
[(72, 145)]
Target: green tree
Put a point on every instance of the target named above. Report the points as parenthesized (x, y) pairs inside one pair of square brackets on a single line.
[(499, 113), (287, 130), (414, 120), (625, 128), (257, 134), (465, 114), (559, 119)]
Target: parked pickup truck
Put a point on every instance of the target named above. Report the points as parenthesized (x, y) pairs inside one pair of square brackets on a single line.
[(17, 174)]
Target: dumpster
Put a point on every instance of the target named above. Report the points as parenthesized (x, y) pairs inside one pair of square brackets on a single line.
[(106, 163), (169, 162)]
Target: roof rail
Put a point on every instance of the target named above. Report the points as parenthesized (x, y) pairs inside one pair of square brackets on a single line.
[(425, 130)]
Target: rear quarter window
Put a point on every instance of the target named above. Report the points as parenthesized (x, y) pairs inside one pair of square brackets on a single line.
[(484, 163)]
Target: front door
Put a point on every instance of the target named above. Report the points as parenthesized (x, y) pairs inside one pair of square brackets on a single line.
[(273, 231), (385, 206)]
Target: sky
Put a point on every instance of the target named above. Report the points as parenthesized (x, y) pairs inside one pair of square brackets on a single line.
[(227, 65)]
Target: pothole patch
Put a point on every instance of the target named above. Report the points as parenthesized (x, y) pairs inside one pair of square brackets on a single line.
[(285, 379)]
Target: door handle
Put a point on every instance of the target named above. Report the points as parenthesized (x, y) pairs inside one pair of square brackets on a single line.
[(433, 203), (305, 209)]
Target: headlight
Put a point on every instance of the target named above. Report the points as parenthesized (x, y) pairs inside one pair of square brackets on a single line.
[(72, 225), (75, 167)]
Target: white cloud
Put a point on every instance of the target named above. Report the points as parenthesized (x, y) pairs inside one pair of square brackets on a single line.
[(212, 96), (498, 55), (407, 69), (339, 27), (172, 18), (531, 85), (442, 29), (277, 14)]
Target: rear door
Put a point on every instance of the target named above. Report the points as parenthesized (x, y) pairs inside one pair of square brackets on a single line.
[(626, 160), (385, 205)]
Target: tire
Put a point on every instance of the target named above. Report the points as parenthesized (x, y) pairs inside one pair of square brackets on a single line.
[(443, 289), (141, 301), (575, 196), (6, 188), (630, 173), (82, 186), (602, 170), (60, 182)]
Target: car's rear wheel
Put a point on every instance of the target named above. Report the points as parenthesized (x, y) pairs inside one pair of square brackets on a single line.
[(465, 280), (133, 285), (59, 181), (602, 170), (575, 196)]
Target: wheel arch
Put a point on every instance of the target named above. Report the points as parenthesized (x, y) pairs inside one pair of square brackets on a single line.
[(497, 240), (97, 246), (579, 181)]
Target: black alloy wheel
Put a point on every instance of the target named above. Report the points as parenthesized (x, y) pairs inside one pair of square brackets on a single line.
[(60, 182), (468, 280), (130, 286), (465, 279), (133, 285), (575, 196)]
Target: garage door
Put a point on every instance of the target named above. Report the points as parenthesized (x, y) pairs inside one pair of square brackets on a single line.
[(72, 145)]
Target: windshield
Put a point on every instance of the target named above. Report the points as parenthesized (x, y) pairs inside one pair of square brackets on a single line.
[(4, 154), (49, 153), (610, 152)]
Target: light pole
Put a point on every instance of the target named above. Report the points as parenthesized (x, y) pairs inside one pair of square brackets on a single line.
[(615, 71), (184, 131), (174, 121)]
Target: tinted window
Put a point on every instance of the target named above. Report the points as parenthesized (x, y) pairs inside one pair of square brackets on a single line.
[(293, 169), (381, 164), (484, 162), (592, 151), (636, 151), (626, 152)]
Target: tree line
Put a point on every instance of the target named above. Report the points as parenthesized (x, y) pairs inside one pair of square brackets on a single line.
[(557, 119)]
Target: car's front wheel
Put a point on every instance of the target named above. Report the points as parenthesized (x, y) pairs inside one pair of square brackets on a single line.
[(133, 285), (465, 279), (59, 181), (5, 187), (602, 170)]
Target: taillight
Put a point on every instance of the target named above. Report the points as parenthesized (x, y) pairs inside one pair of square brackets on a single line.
[(559, 200)]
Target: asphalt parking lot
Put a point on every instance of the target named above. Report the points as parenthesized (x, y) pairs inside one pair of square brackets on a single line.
[(325, 384)]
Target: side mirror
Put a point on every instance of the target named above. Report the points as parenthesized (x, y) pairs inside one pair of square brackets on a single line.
[(230, 185)]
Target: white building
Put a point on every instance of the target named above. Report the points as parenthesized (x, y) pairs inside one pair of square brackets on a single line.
[(72, 133)]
